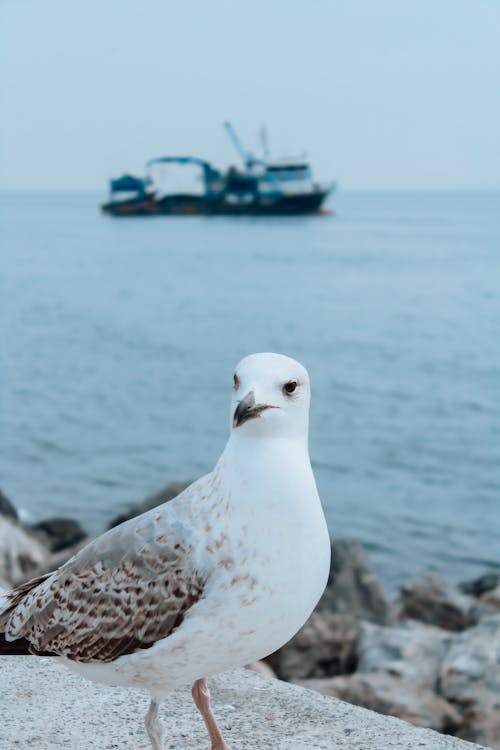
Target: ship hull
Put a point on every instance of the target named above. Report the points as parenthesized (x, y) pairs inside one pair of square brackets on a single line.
[(221, 205)]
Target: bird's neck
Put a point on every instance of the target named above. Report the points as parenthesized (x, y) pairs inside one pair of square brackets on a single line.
[(265, 469), (258, 450)]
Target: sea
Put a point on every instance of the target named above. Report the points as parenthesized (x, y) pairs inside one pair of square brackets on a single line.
[(119, 337)]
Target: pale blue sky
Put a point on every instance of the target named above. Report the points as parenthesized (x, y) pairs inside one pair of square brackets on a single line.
[(381, 93)]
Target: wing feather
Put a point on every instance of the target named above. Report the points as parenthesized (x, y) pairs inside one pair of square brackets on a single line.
[(126, 590)]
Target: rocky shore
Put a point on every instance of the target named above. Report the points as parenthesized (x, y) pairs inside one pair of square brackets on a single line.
[(431, 658)]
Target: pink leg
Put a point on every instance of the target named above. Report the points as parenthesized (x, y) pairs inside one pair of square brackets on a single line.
[(201, 697)]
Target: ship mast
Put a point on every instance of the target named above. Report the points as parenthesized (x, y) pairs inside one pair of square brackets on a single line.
[(247, 157), (264, 142)]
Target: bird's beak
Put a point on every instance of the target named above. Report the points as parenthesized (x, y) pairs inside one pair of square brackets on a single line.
[(248, 409)]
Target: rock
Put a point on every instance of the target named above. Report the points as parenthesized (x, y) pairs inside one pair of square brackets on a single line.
[(352, 588), (491, 600), (261, 667), (157, 498), (6, 508), (60, 533), (392, 696), (470, 679), (408, 650), (431, 599), (21, 555), (479, 586), (57, 559), (325, 645)]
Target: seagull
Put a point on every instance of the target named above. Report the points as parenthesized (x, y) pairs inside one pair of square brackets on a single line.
[(219, 577)]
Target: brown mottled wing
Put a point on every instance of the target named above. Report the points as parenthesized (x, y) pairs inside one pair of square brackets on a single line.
[(126, 590)]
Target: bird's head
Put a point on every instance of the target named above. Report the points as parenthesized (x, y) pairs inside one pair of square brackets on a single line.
[(270, 397)]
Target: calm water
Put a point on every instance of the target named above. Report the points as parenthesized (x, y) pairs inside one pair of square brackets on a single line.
[(119, 338)]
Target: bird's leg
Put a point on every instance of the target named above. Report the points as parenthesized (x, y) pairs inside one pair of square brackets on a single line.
[(153, 726), (201, 697)]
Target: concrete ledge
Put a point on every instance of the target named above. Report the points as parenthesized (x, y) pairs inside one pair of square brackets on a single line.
[(44, 706)]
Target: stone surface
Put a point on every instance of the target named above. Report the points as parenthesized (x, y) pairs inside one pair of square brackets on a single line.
[(391, 695), (261, 667), (46, 707), (409, 650), (479, 586), (21, 555), (490, 601), (7, 509), (434, 600), (470, 678), (157, 498), (59, 533), (352, 588), (325, 645)]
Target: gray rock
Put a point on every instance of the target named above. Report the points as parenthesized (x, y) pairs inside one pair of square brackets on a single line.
[(491, 600), (432, 599), (328, 642), (56, 559), (326, 645), (59, 533), (262, 668), (409, 650), (352, 588), (157, 498), (479, 586), (21, 555), (7, 509), (393, 696), (470, 679)]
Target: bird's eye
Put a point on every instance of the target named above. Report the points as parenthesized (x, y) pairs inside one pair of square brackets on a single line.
[(236, 381), (289, 387)]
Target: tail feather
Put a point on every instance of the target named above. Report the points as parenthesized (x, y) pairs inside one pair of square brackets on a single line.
[(8, 602), (10, 599)]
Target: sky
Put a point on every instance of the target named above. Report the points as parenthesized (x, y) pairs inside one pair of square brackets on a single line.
[(381, 94)]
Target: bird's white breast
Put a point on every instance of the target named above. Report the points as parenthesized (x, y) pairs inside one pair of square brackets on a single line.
[(262, 538)]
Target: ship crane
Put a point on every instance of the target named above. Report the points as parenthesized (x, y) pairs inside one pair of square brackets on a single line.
[(247, 157)]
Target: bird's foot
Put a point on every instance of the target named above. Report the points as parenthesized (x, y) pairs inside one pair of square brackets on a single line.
[(201, 697), (153, 726)]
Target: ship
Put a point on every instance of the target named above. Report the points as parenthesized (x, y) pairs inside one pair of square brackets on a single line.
[(187, 185)]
